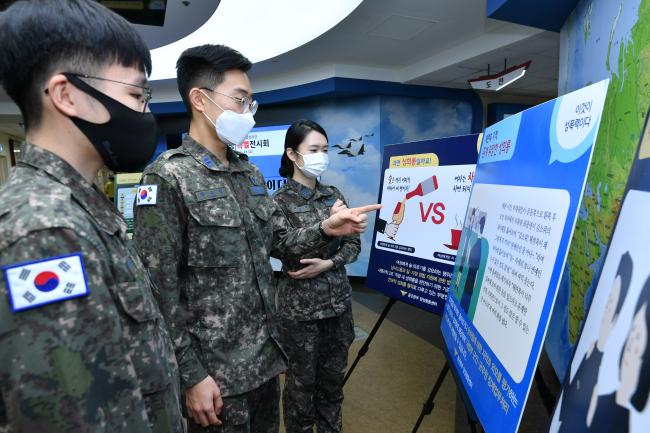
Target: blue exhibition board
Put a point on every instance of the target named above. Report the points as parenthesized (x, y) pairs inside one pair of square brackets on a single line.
[(425, 187), (521, 215)]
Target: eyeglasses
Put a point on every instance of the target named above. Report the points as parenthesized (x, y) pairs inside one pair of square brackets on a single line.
[(144, 99), (247, 104)]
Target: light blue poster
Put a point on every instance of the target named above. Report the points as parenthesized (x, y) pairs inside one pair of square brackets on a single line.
[(521, 215)]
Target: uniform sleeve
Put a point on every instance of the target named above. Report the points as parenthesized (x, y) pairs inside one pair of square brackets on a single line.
[(287, 238), (158, 236), (380, 225), (350, 245), (349, 251), (64, 365)]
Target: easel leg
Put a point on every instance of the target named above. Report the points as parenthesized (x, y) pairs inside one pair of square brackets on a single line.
[(544, 391), (429, 404), (366, 344), (471, 423)]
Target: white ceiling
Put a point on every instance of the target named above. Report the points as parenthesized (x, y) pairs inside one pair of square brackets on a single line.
[(540, 79), (427, 42)]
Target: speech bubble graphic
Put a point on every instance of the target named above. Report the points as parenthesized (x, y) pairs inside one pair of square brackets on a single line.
[(575, 121), (500, 140)]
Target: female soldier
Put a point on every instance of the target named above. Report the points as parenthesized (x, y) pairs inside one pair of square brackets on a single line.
[(314, 294)]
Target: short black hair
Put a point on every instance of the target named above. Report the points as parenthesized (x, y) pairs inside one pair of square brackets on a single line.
[(205, 66), (42, 37), (295, 135), (624, 270)]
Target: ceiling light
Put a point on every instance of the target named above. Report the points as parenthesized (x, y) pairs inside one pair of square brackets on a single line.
[(259, 29)]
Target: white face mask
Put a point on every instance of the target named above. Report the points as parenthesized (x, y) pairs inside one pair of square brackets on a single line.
[(314, 164), (232, 128)]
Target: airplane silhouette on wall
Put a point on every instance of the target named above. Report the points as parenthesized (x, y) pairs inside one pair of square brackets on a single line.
[(346, 147)]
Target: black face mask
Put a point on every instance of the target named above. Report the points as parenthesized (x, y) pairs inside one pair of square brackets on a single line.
[(127, 141)]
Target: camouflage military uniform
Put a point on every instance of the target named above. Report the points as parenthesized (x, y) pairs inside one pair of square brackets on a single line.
[(102, 362), (317, 325), (207, 242)]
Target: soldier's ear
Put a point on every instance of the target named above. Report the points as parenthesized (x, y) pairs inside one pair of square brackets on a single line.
[(196, 99), (62, 95), (291, 154)]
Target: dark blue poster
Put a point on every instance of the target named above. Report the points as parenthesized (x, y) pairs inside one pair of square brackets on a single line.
[(424, 191)]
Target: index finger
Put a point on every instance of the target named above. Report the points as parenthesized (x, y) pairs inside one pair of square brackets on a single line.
[(367, 208)]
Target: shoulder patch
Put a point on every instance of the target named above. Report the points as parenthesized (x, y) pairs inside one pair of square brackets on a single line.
[(147, 195), (45, 281)]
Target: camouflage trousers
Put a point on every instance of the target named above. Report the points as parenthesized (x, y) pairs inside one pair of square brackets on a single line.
[(318, 356), (164, 410), (256, 411)]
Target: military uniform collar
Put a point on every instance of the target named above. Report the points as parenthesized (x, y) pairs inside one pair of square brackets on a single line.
[(83, 192), (307, 193), (206, 158)]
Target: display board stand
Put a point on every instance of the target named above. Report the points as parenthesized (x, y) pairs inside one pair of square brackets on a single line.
[(472, 418), (548, 399), (366, 344), (430, 403)]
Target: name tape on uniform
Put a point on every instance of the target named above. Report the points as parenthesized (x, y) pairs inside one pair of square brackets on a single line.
[(257, 190), (54, 279), (147, 195)]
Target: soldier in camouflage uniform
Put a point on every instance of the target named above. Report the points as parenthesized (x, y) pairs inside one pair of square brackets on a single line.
[(314, 294), (206, 239), (83, 346)]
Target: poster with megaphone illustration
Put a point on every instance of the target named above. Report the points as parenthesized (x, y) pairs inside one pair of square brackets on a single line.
[(425, 189)]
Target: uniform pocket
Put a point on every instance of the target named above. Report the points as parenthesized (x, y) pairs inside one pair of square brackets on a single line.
[(135, 303), (149, 346), (262, 210), (214, 233), (302, 215), (234, 411)]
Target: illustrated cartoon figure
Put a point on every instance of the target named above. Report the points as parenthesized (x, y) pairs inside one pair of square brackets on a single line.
[(581, 391), (425, 187), (475, 263), (469, 222), (398, 217), (611, 412)]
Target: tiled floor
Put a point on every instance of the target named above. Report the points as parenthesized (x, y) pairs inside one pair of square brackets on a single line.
[(392, 381), (387, 389)]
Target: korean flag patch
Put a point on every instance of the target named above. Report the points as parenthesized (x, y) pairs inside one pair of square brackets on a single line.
[(147, 194), (45, 281)]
